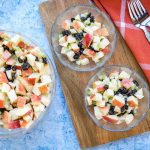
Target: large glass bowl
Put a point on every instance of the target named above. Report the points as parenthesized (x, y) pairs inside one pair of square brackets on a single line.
[(6, 133), (144, 103), (68, 14)]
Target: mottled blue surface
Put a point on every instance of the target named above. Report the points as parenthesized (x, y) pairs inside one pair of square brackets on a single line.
[(56, 130)]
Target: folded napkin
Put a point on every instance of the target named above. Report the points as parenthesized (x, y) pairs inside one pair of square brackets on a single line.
[(134, 37)]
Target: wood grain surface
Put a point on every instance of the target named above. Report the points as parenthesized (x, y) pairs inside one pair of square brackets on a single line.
[(73, 84)]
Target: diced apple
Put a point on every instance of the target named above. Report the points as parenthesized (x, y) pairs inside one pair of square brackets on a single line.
[(36, 90), (16, 113), (6, 117), (127, 83), (21, 101), (139, 94), (36, 100), (104, 42), (39, 108), (71, 39), (87, 40), (43, 88), (100, 88), (39, 65), (45, 70), (84, 61), (23, 123), (118, 100), (33, 78), (20, 90), (123, 75), (111, 119), (98, 56), (66, 24), (46, 79), (78, 25), (70, 55), (31, 59), (12, 96), (45, 99), (27, 72), (132, 101), (75, 47), (6, 55), (16, 39), (11, 61), (9, 74), (104, 32), (5, 88), (14, 124), (2, 100), (25, 83), (89, 52), (3, 78), (63, 41), (104, 110), (2, 62), (97, 113), (129, 118)]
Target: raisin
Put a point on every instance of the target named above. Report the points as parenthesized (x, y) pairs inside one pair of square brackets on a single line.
[(25, 66), (66, 32), (5, 47), (44, 60), (20, 60), (80, 44), (14, 68), (76, 56), (72, 19), (37, 59), (8, 67), (92, 19), (83, 19), (88, 15), (111, 110), (131, 112), (106, 87), (136, 82)]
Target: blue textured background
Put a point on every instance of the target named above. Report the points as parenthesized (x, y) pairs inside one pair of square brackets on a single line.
[(56, 130)]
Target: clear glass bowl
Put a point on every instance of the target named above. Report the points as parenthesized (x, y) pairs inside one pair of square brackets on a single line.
[(144, 103), (68, 14), (6, 133)]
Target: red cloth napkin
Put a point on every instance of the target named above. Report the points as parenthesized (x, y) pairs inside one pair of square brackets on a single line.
[(134, 37)]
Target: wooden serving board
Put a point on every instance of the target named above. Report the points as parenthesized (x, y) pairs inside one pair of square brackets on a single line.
[(73, 84)]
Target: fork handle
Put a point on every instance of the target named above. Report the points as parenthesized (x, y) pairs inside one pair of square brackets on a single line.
[(147, 34)]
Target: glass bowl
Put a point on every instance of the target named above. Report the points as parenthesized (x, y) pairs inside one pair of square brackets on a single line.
[(68, 14), (144, 103), (7, 133)]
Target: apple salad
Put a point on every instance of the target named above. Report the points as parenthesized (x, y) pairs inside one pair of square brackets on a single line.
[(84, 39), (115, 97), (25, 82)]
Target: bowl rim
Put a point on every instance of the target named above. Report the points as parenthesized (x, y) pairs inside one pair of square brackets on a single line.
[(8, 133), (94, 118), (98, 65)]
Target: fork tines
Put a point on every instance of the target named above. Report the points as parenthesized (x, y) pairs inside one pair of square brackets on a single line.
[(136, 10)]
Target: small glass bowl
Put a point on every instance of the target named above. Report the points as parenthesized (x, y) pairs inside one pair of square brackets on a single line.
[(68, 14), (144, 103), (8, 133)]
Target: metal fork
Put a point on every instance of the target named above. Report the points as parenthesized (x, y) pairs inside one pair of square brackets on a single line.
[(139, 16)]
